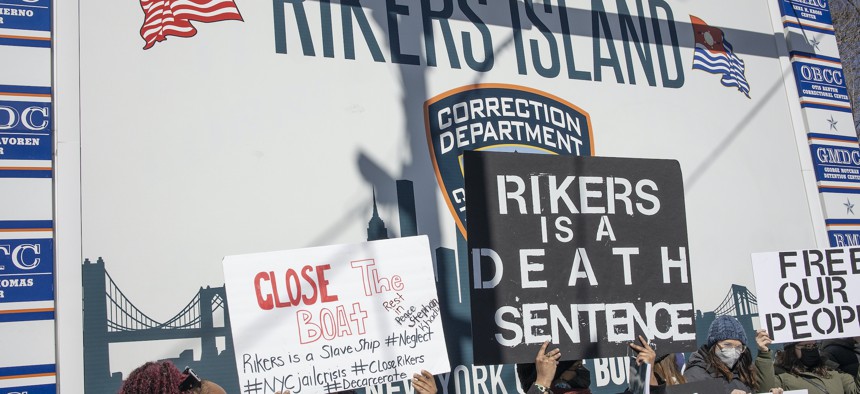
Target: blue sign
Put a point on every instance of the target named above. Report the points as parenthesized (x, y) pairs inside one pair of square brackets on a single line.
[(842, 238), (40, 389), (836, 163), (807, 10), (25, 116), (26, 270), (25, 130), (26, 15), (819, 81)]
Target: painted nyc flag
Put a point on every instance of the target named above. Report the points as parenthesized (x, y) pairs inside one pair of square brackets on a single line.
[(164, 18), (714, 54), (335, 318)]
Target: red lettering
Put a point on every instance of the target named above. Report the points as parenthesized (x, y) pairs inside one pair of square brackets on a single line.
[(323, 282), (265, 303), (330, 324), (278, 302), (306, 290), (309, 300), (294, 289), (308, 331)]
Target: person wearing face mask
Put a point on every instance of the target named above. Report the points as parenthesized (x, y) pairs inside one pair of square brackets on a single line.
[(843, 351), (725, 357), (800, 366)]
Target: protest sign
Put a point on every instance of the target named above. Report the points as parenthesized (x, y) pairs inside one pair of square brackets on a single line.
[(335, 318), (585, 252), (806, 295), (710, 386)]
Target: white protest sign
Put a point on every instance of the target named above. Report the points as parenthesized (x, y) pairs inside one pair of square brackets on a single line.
[(808, 295), (335, 318)]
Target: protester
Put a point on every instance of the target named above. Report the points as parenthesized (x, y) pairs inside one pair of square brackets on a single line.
[(545, 365), (843, 351), (162, 377), (800, 366), (546, 370), (569, 376), (424, 383), (645, 354), (725, 357), (667, 368)]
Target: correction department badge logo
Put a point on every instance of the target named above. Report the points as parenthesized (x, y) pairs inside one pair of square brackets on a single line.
[(498, 117)]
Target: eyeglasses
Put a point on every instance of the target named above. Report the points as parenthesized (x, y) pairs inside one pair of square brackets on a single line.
[(191, 380), (808, 346), (740, 348)]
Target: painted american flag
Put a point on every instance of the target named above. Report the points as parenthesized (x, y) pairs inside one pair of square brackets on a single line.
[(164, 18), (715, 55)]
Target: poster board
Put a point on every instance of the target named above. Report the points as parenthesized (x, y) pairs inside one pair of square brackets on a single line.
[(335, 318), (806, 295), (586, 252)]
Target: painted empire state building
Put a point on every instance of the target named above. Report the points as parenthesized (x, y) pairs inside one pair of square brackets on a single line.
[(376, 227)]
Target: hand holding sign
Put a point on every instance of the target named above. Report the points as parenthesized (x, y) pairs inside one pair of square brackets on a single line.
[(546, 362), (424, 383), (762, 340)]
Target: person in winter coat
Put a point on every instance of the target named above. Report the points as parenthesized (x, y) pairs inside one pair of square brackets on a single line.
[(843, 351), (800, 366), (725, 357)]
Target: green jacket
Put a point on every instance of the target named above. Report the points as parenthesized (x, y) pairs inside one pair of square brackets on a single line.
[(837, 383)]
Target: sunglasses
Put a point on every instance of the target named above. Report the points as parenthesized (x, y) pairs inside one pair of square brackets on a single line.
[(191, 380)]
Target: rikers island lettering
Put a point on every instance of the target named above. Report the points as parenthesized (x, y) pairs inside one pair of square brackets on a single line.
[(648, 42)]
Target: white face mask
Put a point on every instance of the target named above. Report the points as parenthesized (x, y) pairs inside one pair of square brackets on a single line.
[(729, 356)]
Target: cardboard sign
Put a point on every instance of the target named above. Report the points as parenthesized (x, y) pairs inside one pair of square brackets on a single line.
[(806, 295), (584, 252), (335, 318)]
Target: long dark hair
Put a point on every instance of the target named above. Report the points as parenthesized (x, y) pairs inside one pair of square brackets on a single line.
[(744, 366), (788, 361), (667, 369)]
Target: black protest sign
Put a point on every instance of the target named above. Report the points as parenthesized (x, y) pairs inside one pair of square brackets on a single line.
[(585, 252)]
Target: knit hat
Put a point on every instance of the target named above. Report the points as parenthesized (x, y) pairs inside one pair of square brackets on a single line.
[(726, 327)]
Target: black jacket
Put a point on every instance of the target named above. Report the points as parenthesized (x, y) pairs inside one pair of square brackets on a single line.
[(843, 351), (698, 369)]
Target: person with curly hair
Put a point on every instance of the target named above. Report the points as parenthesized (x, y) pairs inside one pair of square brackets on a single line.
[(725, 357), (162, 377), (800, 366)]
